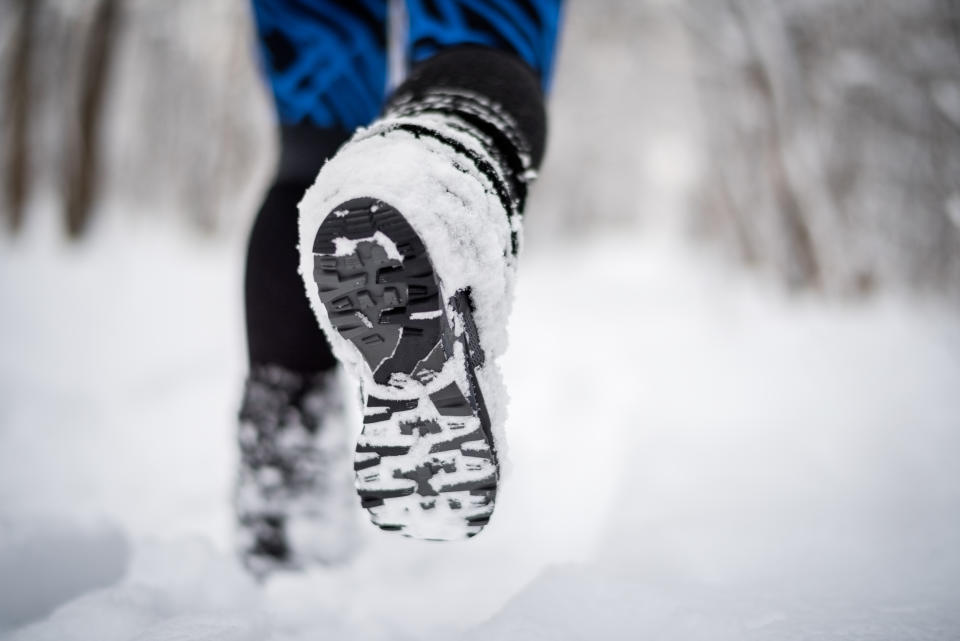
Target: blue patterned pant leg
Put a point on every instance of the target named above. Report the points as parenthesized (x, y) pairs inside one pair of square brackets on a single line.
[(528, 28), (325, 59)]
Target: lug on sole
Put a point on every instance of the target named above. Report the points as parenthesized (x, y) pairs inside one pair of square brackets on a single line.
[(425, 461)]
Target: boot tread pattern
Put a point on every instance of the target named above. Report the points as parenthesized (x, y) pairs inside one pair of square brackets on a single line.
[(425, 463)]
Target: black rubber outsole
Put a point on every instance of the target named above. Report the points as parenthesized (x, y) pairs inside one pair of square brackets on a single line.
[(425, 461)]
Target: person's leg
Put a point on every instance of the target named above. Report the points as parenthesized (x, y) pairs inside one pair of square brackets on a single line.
[(408, 248), (326, 66)]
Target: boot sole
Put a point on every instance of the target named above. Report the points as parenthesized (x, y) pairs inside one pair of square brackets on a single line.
[(425, 461)]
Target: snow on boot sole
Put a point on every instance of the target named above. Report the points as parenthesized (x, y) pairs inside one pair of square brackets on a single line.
[(425, 461)]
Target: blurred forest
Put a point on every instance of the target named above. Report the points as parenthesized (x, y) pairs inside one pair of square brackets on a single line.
[(151, 107), (816, 139), (834, 138)]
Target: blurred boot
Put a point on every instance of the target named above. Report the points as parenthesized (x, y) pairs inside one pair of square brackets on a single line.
[(293, 496)]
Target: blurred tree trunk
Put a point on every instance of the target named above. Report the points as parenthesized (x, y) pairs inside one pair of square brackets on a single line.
[(17, 99), (80, 172), (151, 107), (833, 132)]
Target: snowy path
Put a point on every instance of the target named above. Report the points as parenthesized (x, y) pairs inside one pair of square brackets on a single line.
[(695, 457)]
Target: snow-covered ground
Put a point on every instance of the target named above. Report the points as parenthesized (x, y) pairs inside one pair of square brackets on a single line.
[(695, 456)]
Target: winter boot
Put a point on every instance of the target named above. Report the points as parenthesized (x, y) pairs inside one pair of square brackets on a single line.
[(293, 497), (408, 245)]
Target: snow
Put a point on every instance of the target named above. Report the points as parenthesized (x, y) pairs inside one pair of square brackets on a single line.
[(54, 561), (696, 456), (346, 246)]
